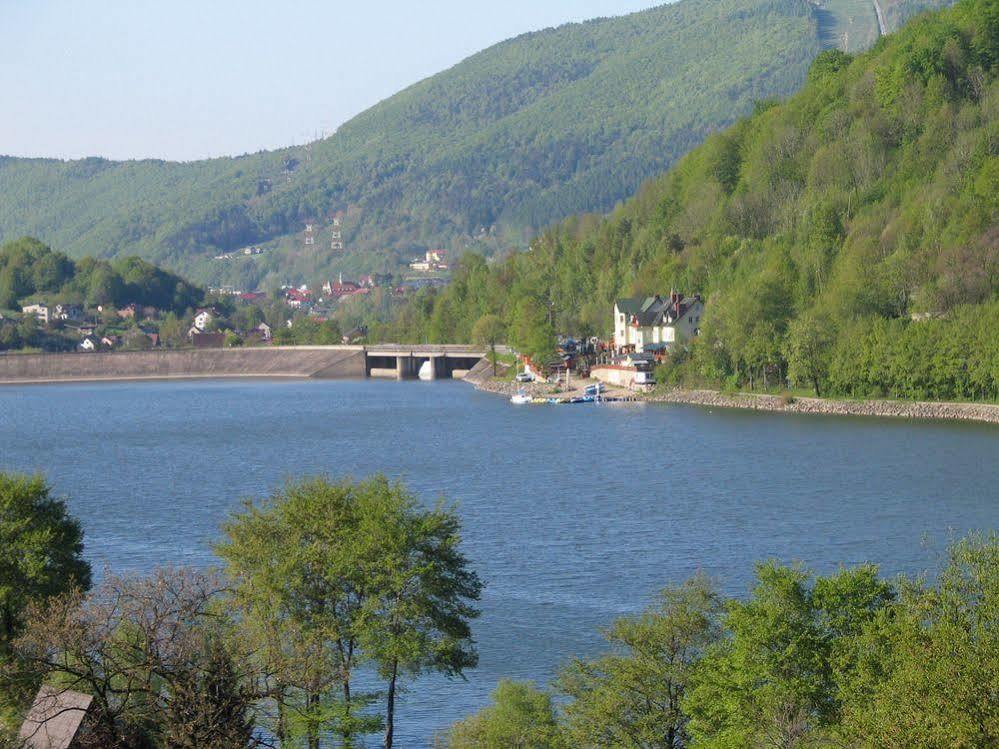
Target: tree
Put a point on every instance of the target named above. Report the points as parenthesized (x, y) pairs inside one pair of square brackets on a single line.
[(488, 331), (633, 696), (417, 615), (41, 550), (531, 331), (810, 339), (925, 670), (770, 682), (149, 651), (520, 717), (329, 575)]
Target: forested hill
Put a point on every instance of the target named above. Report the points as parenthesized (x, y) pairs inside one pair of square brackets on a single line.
[(525, 133), (849, 236)]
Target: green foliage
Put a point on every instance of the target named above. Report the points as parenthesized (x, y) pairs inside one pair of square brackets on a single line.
[(329, 576), (846, 659), (520, 717), (306, 331), (489, 331), (816, 230), (927, 667), (517, 136), (774, 675), (41, 550), (29, 268), (632, 697)]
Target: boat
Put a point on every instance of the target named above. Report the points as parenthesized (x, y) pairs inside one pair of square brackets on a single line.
[(596, 389), (521, 398)]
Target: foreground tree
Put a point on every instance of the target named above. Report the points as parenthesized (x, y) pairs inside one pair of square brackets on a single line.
[(632, 697), (331, 575), (41, 550), (520, 717), (926, 671), (771, 681), (150, 652)]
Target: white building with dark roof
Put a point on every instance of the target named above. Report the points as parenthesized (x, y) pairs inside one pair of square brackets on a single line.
[(655, 323)]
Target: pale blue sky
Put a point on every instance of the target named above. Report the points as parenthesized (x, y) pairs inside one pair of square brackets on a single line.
[(186, 79)]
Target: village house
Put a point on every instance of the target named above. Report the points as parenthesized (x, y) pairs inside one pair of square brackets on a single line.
[(297, 298), (339, 288), (653, 324), (432, 260), (41, 311), (264, 331), (203, 318), (68, 311), (88, 344)]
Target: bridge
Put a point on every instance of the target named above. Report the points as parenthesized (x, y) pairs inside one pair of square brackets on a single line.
[(405, 361)]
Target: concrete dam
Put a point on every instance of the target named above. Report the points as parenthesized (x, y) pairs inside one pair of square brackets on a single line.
[(321, 362)]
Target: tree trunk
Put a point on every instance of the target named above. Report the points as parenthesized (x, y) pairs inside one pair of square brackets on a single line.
[(348, 738), (390, 707), (313, 703), (282, 724), (494, 359)]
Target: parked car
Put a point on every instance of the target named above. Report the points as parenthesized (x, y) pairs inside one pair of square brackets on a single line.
[(525, 377)]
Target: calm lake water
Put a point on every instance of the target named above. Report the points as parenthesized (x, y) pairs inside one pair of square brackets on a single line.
[(572, 515)]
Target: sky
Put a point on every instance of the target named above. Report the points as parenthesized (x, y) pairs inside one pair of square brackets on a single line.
[(190, 79)]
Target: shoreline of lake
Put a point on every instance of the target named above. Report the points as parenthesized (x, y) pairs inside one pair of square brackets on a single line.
[(987, 413)]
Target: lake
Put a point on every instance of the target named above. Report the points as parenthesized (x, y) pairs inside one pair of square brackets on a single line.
[(573, 515)]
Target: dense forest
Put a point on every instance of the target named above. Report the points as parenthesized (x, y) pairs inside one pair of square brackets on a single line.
[(520, 135), (846, 239)]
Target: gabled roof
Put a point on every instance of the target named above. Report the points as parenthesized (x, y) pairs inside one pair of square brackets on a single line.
[(656, 311), (54, 718)]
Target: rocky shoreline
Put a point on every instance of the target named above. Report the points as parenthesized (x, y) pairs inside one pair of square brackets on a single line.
[(979, 412)]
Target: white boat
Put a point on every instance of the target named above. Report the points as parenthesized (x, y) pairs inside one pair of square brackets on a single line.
[(521, 398)]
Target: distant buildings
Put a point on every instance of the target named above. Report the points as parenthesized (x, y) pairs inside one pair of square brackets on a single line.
[(433, 260), (652, 324), (41, 312)]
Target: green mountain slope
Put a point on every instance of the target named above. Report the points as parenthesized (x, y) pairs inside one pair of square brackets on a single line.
[(848, 237), (522, 134)]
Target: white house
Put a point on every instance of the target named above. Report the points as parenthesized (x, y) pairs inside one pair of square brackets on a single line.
[(88, 344), (41, 311), (68, 311), (654, 323), (432, 260), (203, 318)]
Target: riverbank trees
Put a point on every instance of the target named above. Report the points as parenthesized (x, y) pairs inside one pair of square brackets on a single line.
[(847, 659)]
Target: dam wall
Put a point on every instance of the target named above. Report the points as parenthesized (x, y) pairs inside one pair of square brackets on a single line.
[(325, 362)]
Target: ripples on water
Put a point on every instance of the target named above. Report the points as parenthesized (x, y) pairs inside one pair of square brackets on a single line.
[(572, 515)]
